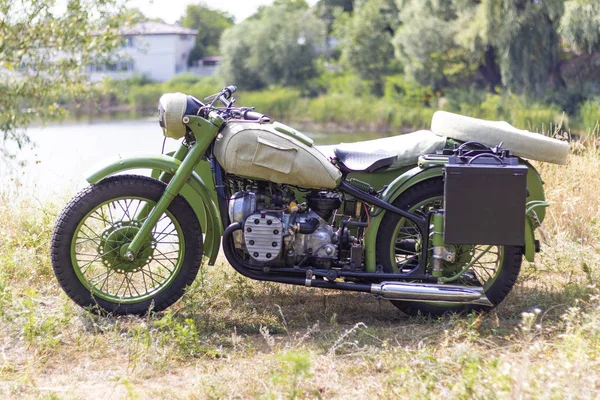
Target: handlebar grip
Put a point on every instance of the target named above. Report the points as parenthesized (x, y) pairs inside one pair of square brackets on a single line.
[(228, 91), (254, 116)]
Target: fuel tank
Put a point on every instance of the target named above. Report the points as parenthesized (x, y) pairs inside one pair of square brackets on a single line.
[(269, 152)]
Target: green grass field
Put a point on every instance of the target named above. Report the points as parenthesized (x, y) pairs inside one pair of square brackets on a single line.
[(230, 337)]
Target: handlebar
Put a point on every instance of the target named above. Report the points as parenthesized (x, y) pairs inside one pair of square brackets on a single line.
[(249, 115), (228, 91), (225, 96)]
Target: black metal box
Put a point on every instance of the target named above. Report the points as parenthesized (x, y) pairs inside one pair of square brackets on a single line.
[(484, 202)]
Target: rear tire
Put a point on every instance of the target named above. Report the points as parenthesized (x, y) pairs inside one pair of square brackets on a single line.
[(497, 283), (92, 231)]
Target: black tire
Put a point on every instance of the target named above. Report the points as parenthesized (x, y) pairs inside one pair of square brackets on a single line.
[(82, 207), (428, 192)]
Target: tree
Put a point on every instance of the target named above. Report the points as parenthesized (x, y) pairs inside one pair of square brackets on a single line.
[(328, 10), (365, 40), (277, 46), (580, 25), (425, 43), (210, 25), (516, 40), (45, 52)]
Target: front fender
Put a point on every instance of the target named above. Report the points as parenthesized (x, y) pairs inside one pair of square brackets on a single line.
[(195, 191)]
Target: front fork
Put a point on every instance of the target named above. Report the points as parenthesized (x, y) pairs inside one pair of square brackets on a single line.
[(204, 131)]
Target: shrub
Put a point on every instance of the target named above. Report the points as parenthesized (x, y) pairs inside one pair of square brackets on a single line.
[(145, 98), (589, 114)]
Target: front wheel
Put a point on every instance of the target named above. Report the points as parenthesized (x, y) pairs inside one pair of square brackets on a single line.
[(496, 270), (93, 231)]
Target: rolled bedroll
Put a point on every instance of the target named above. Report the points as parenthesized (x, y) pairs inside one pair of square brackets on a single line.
[(520, 142)]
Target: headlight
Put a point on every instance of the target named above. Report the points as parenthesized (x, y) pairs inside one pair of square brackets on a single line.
[(171, 109)]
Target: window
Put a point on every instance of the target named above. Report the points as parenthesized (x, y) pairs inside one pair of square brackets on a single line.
[(126, 66), (128, 41)]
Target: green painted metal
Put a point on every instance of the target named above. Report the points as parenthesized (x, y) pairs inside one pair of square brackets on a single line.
[(379, 179), (437, 238), (204, 131), (205, 173), (198, 194), (535, 186), (408, 179), (288, 130), (394, 189), (466, 267), (429, 168), (532, 222), (124, 265)]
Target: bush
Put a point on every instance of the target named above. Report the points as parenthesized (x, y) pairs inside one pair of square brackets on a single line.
[(398, 90), (145, 98), (185, 79), (589, 114), (278, 103)]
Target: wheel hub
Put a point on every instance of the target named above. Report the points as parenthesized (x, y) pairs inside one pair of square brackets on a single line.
[(464, 254), (113, 247)]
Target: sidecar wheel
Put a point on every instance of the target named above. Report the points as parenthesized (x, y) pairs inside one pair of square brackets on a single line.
[(497, 270), (95, 227)]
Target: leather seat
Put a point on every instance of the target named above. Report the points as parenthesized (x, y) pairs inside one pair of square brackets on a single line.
[(364, 161), (390, 152)]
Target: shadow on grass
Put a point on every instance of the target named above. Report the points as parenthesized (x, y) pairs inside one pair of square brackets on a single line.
[(215, 314)]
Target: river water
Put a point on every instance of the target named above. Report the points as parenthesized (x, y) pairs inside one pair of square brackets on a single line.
[(61, 154)]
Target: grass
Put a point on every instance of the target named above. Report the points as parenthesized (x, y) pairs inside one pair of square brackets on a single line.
[(230, 337)]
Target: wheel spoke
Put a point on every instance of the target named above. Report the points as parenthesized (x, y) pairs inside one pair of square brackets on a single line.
[(103, 233)]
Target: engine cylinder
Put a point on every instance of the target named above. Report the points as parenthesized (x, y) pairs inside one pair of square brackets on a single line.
[(324, 203)]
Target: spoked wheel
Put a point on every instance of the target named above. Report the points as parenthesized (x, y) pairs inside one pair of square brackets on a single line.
[(92, 235), (495, 268)]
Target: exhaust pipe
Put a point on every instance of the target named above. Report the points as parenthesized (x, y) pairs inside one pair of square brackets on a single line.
[(430, 292)]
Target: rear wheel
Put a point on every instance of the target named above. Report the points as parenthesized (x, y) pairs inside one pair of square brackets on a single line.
[(398, 240), (93, 232)]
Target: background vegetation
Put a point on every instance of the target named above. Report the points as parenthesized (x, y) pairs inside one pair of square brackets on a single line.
[(388, 65)]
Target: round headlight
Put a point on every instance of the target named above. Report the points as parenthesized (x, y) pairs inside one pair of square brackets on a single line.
[(171, 109)]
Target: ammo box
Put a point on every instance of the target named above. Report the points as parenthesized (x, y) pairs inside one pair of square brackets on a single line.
[(484, 200)]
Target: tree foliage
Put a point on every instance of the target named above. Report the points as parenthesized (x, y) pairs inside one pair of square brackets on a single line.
[(516, 40), (580, 25), (365, 40), (328, 10), (210, 25), (45, 51), (426, 42), (277, 46)]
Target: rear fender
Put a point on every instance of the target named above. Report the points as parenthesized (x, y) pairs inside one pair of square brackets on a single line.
[(390, 194), (195, 191)]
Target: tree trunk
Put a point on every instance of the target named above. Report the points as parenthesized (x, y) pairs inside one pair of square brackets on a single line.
[(489, 70)]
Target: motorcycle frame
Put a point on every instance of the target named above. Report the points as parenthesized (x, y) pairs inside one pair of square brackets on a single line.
[(198, 181)]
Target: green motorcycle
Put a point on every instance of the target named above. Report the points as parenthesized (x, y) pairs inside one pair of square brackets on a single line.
[(436, 221)]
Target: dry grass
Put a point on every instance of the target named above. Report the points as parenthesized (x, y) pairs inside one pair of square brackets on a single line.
[(235, 338)]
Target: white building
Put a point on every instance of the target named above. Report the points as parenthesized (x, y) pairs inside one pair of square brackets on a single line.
[(152, 49)]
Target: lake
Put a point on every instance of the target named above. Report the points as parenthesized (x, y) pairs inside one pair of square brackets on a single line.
[(61, 154)]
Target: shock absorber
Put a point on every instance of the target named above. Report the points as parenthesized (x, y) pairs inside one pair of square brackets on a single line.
[(441, 253)]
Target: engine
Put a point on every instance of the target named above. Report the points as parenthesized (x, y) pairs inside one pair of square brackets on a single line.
[(279, 232)]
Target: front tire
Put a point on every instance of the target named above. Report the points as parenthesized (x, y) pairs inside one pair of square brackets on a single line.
[(96, 226), (496, 271)]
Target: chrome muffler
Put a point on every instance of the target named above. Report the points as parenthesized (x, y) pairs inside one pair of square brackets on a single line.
[(430, 292)]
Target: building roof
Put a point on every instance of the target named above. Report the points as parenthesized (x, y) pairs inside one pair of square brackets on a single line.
[(156, 28)]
